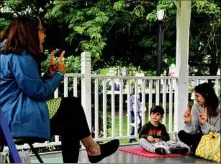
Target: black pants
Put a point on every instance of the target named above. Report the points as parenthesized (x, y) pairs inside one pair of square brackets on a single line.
[(71, 125), (191, 140)]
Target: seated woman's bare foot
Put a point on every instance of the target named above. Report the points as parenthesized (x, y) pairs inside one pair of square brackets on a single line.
[(106, 149), (93, 150)]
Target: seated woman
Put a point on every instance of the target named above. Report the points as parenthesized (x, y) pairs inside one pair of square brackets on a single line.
[(24, 94), (202, 118)]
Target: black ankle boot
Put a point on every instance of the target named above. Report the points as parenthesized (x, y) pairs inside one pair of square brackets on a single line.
[(179, 150), (106, 150), (160, 150)]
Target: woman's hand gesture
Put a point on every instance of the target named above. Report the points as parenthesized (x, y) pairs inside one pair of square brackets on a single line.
[(187, 115), (60, 64), (203, 116), (52, 65)]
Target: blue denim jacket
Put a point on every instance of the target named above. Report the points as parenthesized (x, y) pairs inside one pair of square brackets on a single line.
[(23, 94)]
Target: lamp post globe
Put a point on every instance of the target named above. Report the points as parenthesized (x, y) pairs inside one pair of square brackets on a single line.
[(160, 14)]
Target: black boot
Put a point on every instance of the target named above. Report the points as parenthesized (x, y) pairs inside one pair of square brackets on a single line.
[(160, 150), (106, 150), (179, 150)]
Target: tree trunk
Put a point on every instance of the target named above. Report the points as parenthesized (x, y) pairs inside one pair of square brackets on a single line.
[(213, 66)]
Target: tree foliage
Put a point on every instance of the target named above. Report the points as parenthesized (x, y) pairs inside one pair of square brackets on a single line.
[(124, 32)]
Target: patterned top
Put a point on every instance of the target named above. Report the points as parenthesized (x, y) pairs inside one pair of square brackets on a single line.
[(53, 106), (154, 131)]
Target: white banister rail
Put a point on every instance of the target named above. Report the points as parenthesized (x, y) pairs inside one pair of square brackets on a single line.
[(107, 100)]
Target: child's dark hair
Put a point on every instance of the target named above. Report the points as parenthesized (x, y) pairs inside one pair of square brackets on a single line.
[(158, 109)]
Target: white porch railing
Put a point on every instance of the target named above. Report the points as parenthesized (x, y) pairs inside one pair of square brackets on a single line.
[(108, 112)]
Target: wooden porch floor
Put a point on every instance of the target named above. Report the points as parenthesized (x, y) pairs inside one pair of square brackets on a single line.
[(120, 157)]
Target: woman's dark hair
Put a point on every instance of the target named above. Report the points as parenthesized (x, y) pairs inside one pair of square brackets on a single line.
[(211, 99), (22, 34)]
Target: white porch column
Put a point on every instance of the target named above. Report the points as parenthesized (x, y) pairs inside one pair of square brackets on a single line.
[(182, 58), (86, 85)]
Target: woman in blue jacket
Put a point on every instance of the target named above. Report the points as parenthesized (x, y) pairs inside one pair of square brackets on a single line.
[(24, 94)]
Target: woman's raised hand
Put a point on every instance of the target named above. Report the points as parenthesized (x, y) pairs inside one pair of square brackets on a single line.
[(187, 115), (52, 65), (203, 116), (60, 64)]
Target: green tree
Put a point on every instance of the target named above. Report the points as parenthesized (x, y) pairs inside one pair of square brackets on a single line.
[(124, 32)]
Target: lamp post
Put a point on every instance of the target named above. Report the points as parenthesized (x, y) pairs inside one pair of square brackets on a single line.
[(160, 17)]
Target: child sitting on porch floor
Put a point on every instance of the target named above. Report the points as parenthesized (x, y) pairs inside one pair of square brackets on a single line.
[(154, 137)]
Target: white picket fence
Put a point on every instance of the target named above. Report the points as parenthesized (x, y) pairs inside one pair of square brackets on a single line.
[(99, 94)]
